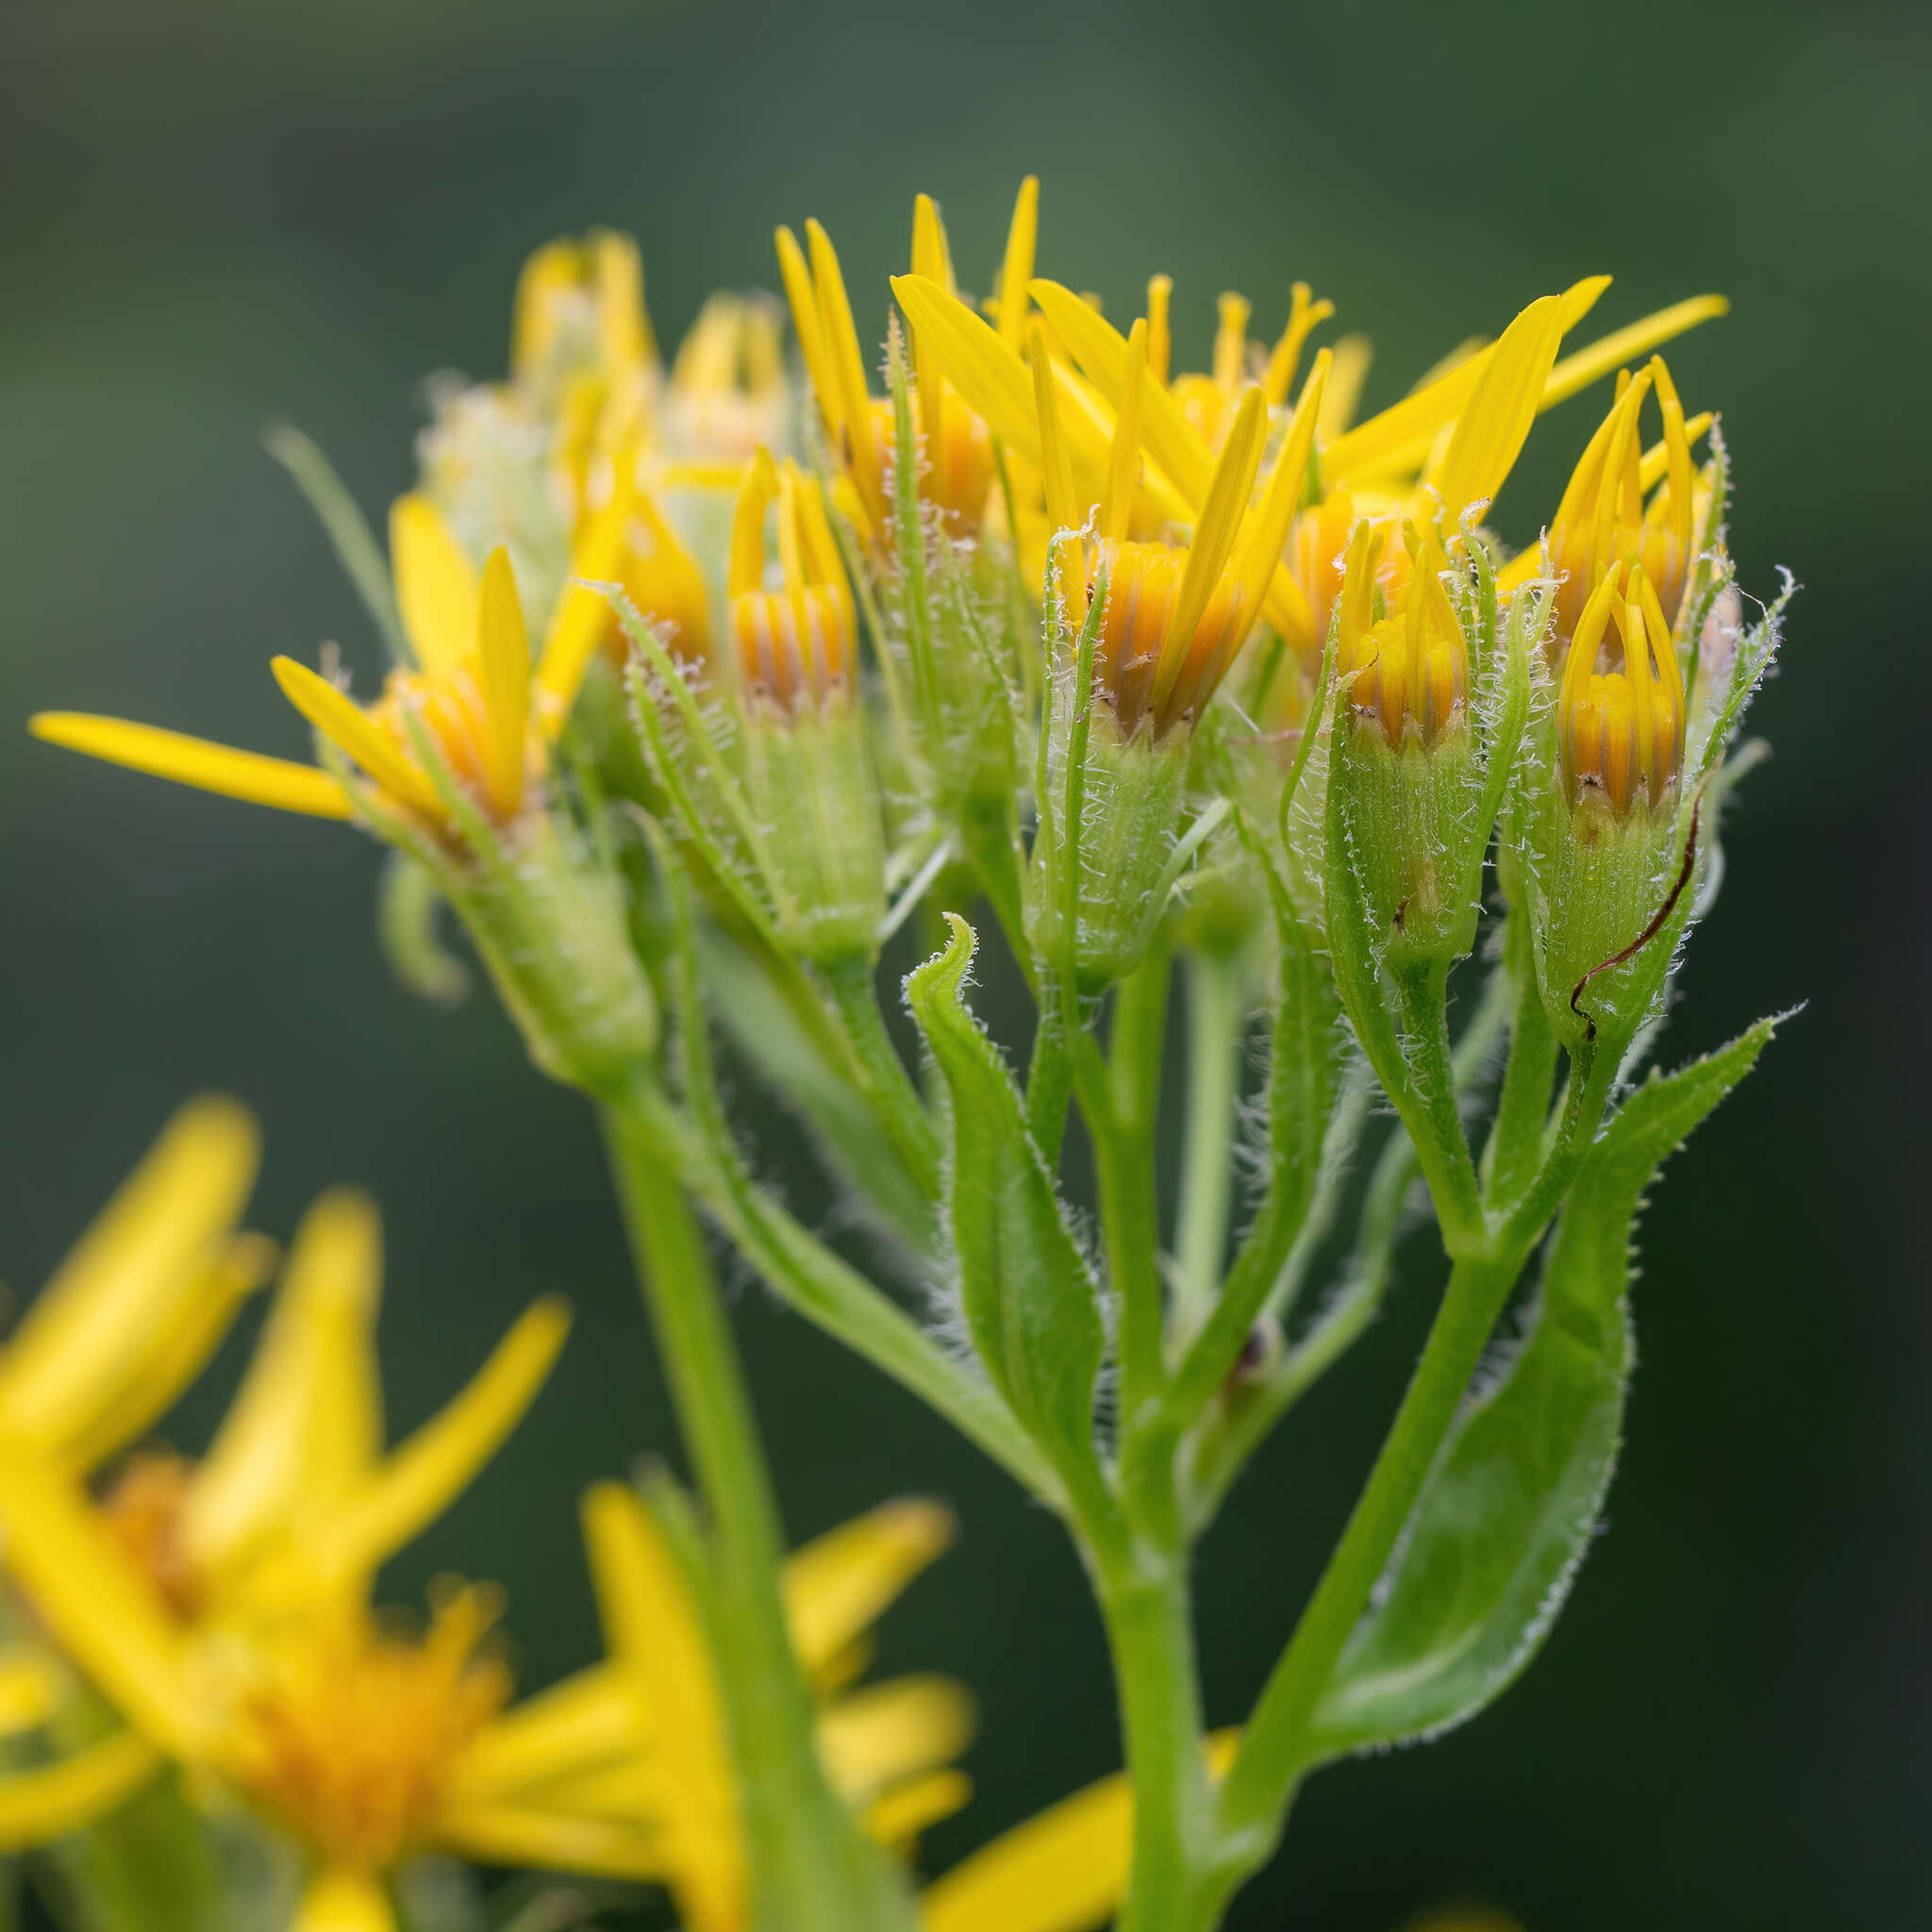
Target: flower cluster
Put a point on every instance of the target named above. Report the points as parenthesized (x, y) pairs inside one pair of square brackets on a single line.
[(964, 624)]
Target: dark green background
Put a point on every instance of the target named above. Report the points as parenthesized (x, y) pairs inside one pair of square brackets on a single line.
[(217, 214)]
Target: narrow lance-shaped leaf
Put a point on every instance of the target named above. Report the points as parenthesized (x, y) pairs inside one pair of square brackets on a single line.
[(1030, 1301), (1497, 1535)]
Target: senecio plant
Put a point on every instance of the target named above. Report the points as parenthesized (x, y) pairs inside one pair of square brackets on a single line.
[(1181, 697)]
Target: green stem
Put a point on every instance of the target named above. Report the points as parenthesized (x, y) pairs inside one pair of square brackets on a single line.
[(1175, 1879), (1434, 1120), (1275, 1751), (812, 1868), (1123, 1139), (1216, 1008), (1050, 1069), (901, 1110), (1515, 1145)]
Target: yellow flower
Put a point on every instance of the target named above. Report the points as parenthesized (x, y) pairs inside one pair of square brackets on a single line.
[(728, 395), (467, 730), (1620, 731), (1444, 447), (137, 1309), (170, 1588), (956, 462), (249, 1656), (1175, 616), (796, 644)]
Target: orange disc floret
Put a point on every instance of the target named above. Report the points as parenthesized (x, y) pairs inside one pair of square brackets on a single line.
[(354, 1732)]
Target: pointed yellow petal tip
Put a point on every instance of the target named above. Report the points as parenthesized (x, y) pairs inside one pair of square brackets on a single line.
[(354, 732), (279, 783)]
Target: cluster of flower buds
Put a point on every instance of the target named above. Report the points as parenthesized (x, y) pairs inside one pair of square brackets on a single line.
[(1163, 521)]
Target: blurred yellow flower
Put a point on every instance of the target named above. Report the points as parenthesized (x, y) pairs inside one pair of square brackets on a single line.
[(462, 734)]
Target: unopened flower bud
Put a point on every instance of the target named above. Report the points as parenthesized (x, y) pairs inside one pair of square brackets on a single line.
[(1405, 763), (807, 772), (1612, 849)]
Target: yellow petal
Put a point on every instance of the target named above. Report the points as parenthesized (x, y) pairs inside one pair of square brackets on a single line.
[(39, 1805), (306, 1425), (504, 648), (340, 1899), (512, 1835), (436, 585), (425, 1475), (1657, 458), (651, 1628), (845, 365), (989, 371), (837, 1585), (119, 1298), (1495, 423), (581, 617), (348, 726), (587, 1721), (1124, 461), (1353, 356), (932, 259), (1404, 432), (1057, 470), (244, 775), (237, 1271), (1065, 1870), (1023, 236), (31, 1687), (888, 1732), (1260, 549), (1214, 535), (747, 565), (548, 276), (898, 1818), (1588, 365), (97, 1607), (804, 302), (1101, 350)]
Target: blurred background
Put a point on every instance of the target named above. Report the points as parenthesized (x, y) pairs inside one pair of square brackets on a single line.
[(219, 214)]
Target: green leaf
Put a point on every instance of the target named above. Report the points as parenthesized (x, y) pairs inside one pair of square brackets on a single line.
[(407, 909), (1031, 1305), (355, 542), (1510, 1509)]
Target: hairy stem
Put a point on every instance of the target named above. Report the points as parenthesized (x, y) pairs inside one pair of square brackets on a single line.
[(1276, 1750), (813, 1869), (1215, 1012)]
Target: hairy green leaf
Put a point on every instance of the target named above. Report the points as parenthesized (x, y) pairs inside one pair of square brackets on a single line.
[(1509, 1510), (1031, 1305)]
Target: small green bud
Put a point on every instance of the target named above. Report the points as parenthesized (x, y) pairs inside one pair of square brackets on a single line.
[(552, 935), (1115, 808), (808, 781)]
